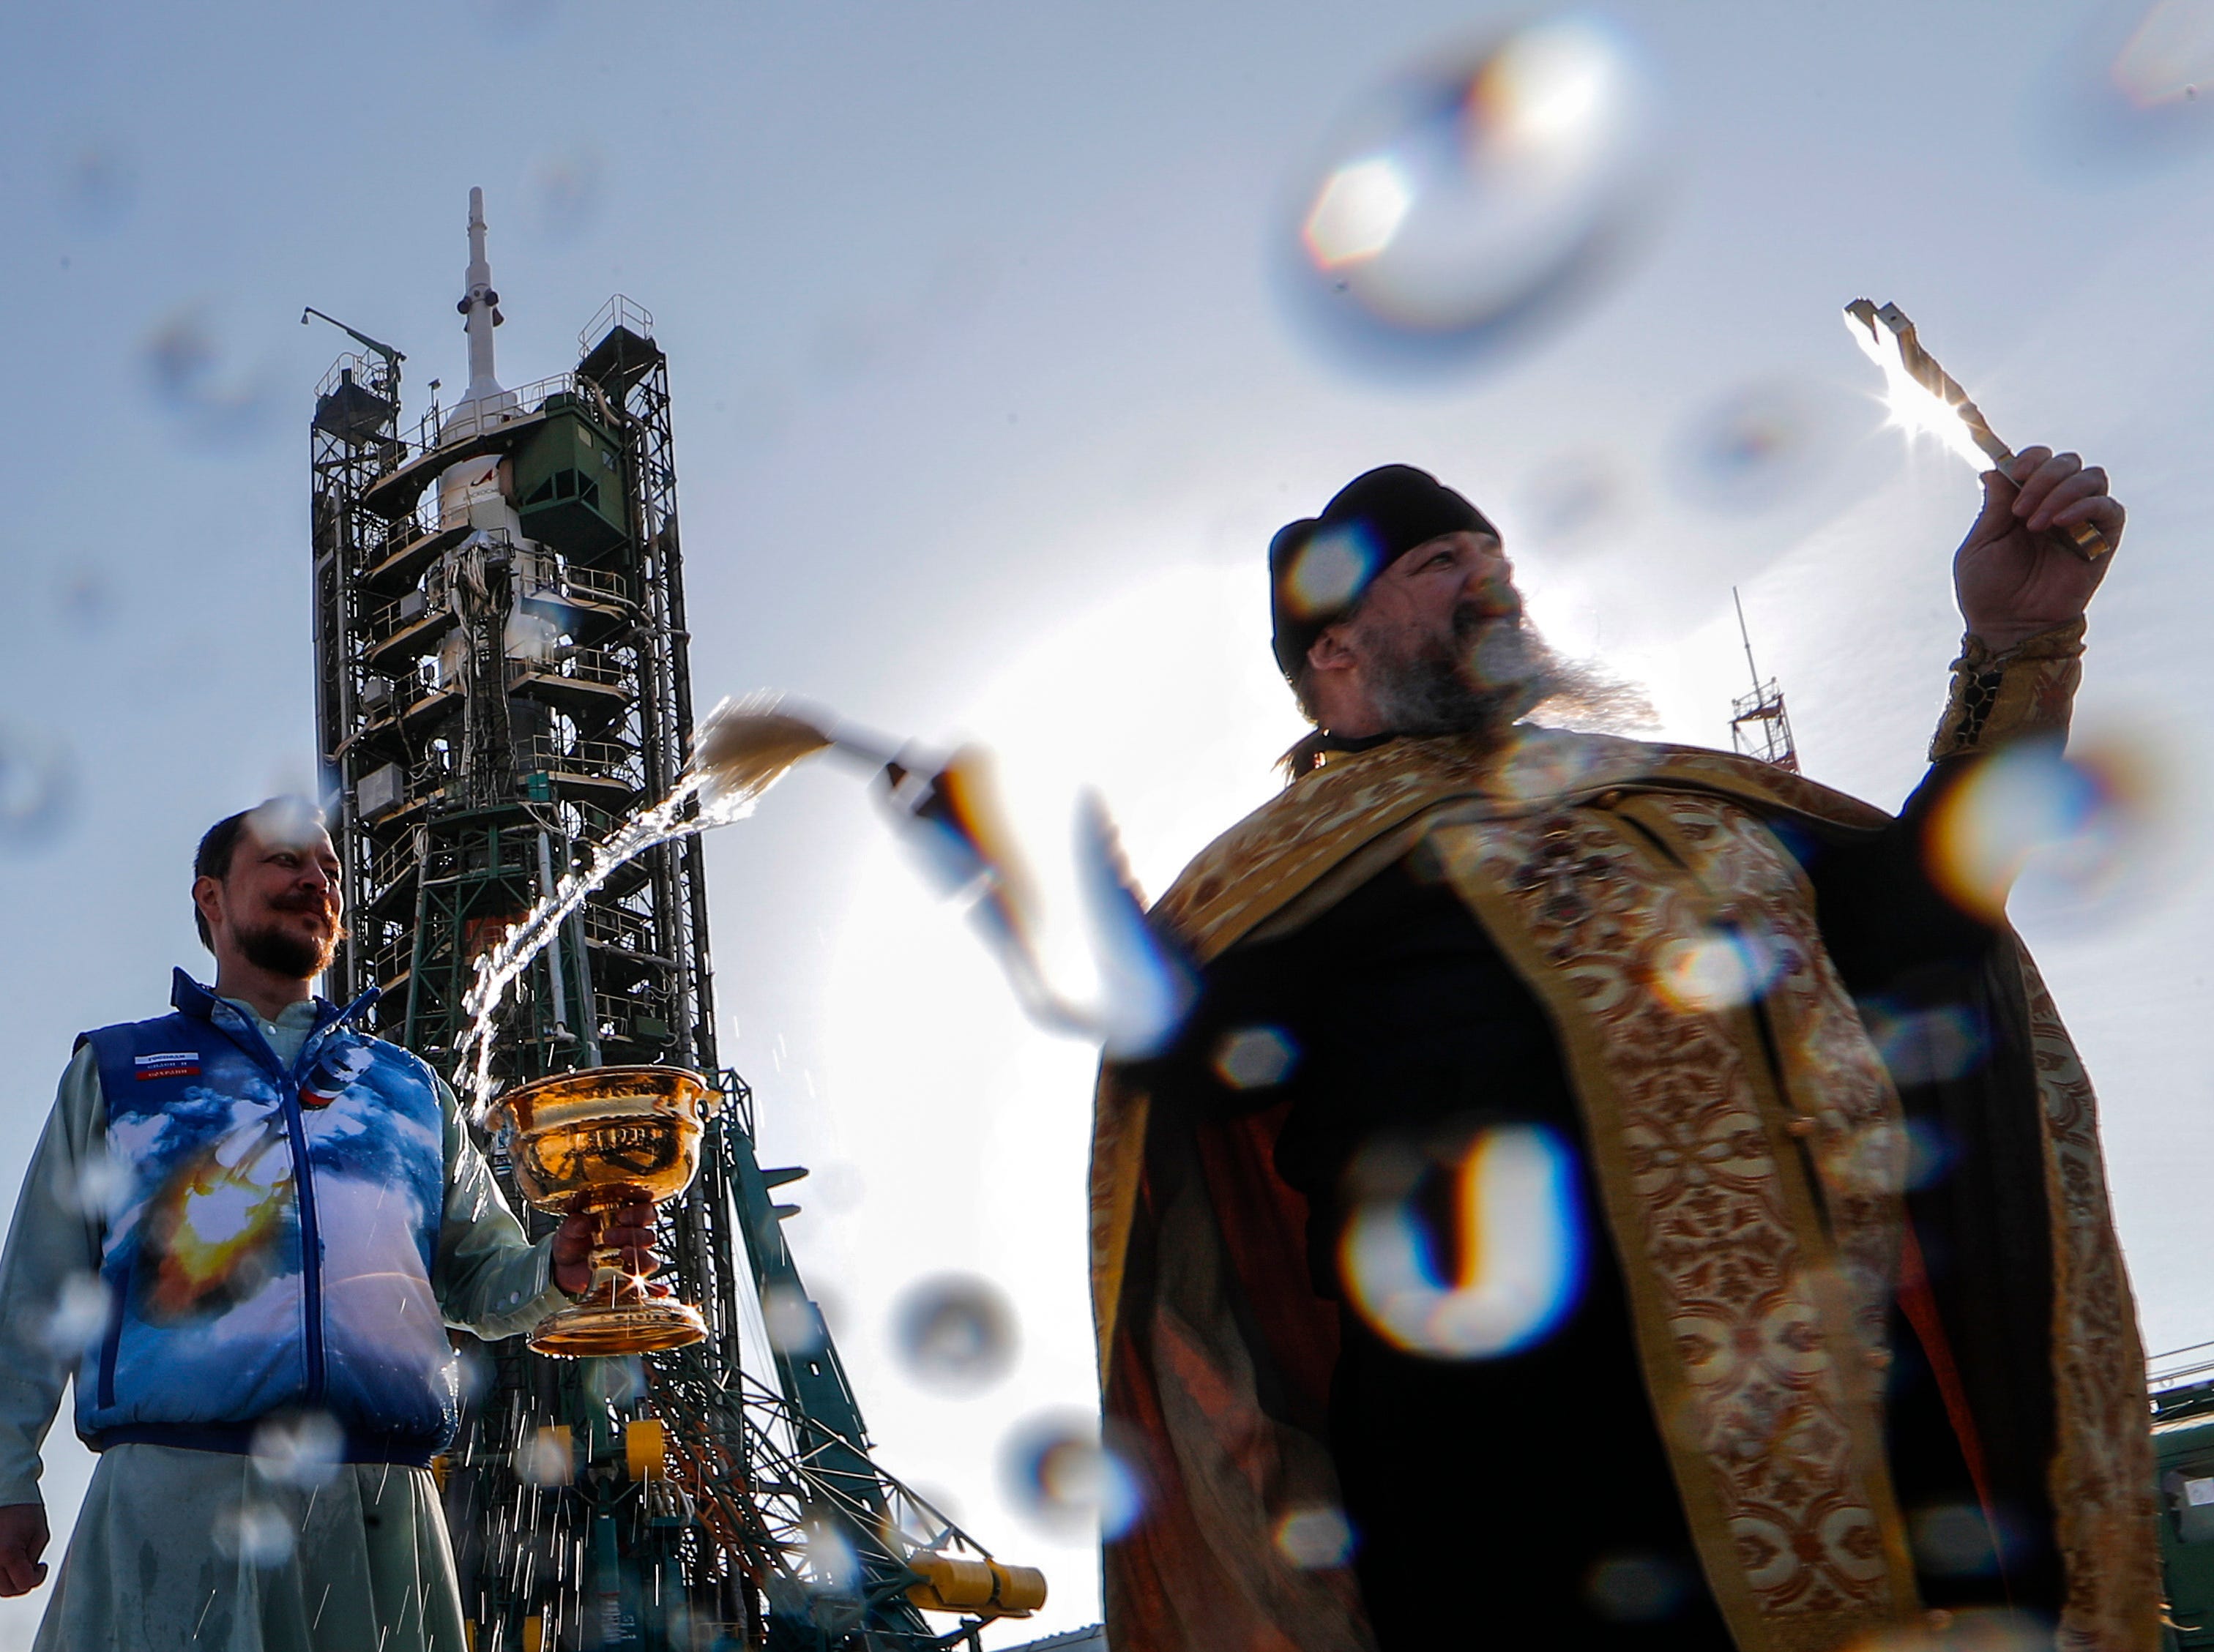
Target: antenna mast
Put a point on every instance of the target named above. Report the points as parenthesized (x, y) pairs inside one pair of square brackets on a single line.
[(1759, 726)]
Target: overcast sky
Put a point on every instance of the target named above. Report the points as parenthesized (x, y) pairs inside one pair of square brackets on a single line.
[(990, 388)]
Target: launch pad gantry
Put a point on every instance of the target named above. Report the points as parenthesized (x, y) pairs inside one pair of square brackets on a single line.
[(501, 678)]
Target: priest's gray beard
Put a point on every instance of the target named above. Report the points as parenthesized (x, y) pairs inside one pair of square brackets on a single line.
[(1494, 671)]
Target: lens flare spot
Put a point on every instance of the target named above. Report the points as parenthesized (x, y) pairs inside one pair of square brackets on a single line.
[(1477, 188), (2075, 829), (546, 1458), (956, 1333), (1503, 1274), (255, 1533), (830, 1563), (1315, 1539), (1359, 211), (303, 1450), (1719, 969), (1254, 1057), (1330, 571), (793, 1326), (102, 1185), (1926, 1046), (37, 789), (1056, 1472), (80, 1316)]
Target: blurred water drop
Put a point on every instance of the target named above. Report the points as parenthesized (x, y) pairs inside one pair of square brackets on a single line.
[(566, 192), (1635, 1587), (1718, 969), (98, 185), (101, 1183), (956, 1333), (206, 392), (2124, 92), (1057, 1474), (85, 597), (1567, 500), (37, 789), (546, 1458), (1925, 1045), (2074, 836), (839, 1187), (1475, 193), (1254, 1057), (80, 1316), (303, 1450), (2167, 55), (1328, 570), (793, 1326), (1759, 445), (256, 1532), (1315, 1539), (1502, 1269), (1953, 1540), (830, 1563)]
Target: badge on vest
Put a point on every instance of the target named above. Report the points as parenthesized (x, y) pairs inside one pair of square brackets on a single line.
[(168, 1064)]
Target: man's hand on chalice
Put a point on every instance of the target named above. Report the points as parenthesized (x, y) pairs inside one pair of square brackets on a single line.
[(2012, 580), (628, 1230)]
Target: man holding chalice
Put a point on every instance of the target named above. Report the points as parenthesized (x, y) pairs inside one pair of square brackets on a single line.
[(245, 1234)]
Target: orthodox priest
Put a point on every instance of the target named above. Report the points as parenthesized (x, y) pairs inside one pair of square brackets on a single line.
[(1609, 1194)]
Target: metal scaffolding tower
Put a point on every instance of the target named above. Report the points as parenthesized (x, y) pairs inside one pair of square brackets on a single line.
[(1759, 726), (501, 677)]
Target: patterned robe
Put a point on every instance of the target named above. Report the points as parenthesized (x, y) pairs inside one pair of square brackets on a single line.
[(1750, 1160)]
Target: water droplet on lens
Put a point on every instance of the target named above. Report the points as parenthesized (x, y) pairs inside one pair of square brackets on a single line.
[(1759, 445), (546, 1458), (1568, 499), (209, 396), (302, 1450), (1056, 1473), (793, 1325), (2080, 836), (956, 1333), (1473, 193), (79, 1317), (1952, 1539), (566, 192), (99, 184), (1635, 1589), (1504, 1271), (1315, 1539), (1323, 578), (256, 1532), (37, 787), (1254, 1057)]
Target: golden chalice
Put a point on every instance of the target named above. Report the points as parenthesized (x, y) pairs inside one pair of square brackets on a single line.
[(596, 1140)]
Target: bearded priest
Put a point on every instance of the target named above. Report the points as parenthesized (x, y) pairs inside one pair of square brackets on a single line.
[(1612, 1194)]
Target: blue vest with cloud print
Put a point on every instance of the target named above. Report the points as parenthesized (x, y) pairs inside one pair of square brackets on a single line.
[(271, 1239)]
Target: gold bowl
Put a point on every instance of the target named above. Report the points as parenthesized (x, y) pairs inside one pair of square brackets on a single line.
[(594, 1141)]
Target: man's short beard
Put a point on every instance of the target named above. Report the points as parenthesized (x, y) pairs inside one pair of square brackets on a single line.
[(1495, 671), (294, 957)]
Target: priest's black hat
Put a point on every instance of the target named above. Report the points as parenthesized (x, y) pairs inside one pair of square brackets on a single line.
[(1319, 566)]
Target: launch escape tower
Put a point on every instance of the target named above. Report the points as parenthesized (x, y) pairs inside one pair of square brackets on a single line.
[(501, 677)]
